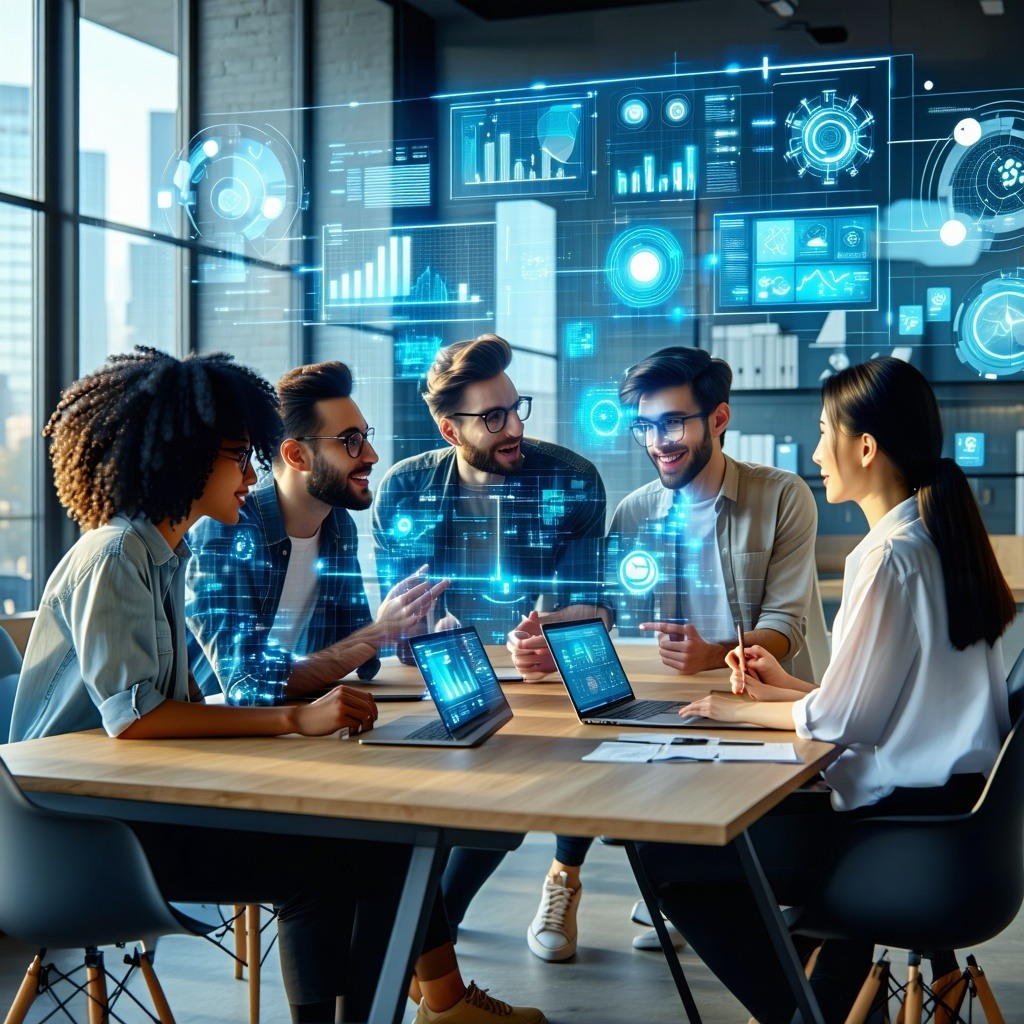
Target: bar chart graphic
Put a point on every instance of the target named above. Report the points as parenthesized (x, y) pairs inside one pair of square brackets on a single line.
[(430, 273), (510, 148)]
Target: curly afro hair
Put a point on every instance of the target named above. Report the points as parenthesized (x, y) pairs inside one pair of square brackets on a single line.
[(139, 436)]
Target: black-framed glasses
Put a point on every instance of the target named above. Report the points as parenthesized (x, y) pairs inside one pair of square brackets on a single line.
[(353, 440), (495, 419), (243, 456), (645, 432)]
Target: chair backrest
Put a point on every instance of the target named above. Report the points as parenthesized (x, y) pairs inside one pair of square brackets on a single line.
[(72, 881), (10, 667)]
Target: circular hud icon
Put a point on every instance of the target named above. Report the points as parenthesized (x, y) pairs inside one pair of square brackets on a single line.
[(638, 572), (989, 326), (830, 135), (235, 182), (645, 266)]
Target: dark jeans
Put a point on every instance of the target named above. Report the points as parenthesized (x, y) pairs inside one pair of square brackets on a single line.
[(464, 875), (336, 900), (572, 850), (704, 893)]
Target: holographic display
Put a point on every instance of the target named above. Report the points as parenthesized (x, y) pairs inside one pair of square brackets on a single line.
[(428, 273), (512, 148), (796, 260), (989, 326), (381, 174), (830, 135)]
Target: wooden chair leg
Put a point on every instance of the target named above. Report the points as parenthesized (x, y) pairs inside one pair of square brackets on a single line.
[(239, 929), (156, 992), (877, 977), (914, 999), (26, 992), (988, 1001), (96, 987), (949, 992), (252, 944)]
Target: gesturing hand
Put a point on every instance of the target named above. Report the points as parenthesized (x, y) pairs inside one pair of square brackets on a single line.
[(406, 603), (344, 707)]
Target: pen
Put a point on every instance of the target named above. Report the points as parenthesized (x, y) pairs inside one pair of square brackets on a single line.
[(743, 664)]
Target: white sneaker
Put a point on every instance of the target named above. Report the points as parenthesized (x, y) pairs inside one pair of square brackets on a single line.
[(552, 933), (649, 938)]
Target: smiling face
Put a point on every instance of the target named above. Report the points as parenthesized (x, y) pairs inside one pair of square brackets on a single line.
[(499, 453), (335, 478), (226, 487), (678, 462), (837, 455)]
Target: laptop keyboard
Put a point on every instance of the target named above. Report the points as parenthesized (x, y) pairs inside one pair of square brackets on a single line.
[(432, 731), (647, 708)]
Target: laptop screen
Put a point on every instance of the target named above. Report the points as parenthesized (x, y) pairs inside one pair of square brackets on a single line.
[(458, 674), (587, 661)]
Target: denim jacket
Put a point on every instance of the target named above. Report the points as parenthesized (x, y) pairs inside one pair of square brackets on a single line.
[(550, 542), (102, 649), (233, 588)]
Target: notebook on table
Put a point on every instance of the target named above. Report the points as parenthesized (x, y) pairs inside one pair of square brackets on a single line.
[(461, 682), (598, 686)]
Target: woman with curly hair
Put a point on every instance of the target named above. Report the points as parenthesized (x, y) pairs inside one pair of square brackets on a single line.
[(142, 449)]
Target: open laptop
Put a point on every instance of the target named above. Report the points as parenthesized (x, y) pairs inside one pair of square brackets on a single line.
[(465, 691), (597, 684)]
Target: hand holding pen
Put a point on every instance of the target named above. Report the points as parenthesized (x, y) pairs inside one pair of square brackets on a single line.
[(742, 661)]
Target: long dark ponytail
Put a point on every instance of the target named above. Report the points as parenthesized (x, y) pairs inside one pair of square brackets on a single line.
[(891, 400)]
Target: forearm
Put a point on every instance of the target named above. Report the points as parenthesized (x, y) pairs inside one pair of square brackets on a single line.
[(768, 714), (175, 719), (316, 673)]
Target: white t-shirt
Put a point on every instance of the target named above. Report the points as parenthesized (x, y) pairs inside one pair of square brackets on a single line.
[(910, 709), (698, 578), (298, 595)]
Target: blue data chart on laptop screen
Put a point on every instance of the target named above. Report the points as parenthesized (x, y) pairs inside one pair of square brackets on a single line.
[(459, 676), (588, 664)]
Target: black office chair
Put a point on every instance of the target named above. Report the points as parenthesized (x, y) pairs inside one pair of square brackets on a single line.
[(931, 882), (10, 667), (74, 881)]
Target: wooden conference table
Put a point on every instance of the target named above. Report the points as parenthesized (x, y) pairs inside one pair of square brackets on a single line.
[(527, 777)]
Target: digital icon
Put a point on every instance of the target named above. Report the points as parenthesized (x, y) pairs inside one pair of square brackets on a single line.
[(969, 450), (911, 320), (645, 265), (830, 135), (677, 110), (638, 572), (634, 112), (989, 326), (939, 304)]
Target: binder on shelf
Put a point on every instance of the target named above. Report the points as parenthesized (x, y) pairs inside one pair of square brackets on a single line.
[(787, 456)]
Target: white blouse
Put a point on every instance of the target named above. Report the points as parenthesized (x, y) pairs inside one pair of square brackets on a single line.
[(910, 709)]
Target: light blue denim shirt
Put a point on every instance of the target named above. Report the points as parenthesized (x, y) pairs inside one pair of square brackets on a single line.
[(102, 650)]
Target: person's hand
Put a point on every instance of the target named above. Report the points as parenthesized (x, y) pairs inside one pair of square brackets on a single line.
[(407, 602), (762, 670), (722, 707), (344, 707), (682, 648), (447, 621), (530, 652)]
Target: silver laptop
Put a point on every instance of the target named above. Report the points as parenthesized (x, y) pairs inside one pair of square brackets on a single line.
[(465, 691), (597, 684)]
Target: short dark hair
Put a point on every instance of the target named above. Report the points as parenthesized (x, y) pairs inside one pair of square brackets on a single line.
[(673, 367), (300, 389), (462, 364), (140, 434)]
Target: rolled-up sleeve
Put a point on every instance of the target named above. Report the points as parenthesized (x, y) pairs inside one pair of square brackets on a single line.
[(789, 581), (124, 645)]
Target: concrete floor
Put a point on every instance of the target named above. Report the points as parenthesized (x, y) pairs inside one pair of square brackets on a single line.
[(607, 983)]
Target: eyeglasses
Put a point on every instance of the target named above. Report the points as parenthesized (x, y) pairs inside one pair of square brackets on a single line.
[(353, 441), (645, 432), (495, 419), (243, 456)]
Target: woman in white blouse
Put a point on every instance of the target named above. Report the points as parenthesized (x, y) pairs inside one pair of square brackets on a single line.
[(915, 691)]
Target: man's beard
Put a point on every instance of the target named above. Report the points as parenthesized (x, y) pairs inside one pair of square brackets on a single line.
[(700, 456), (330, 486), (483, 458)]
